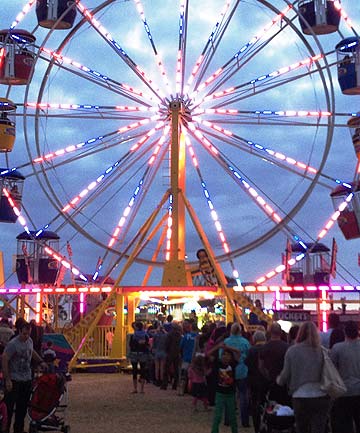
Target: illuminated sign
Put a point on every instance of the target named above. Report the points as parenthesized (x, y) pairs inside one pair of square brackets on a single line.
[(293, 315)]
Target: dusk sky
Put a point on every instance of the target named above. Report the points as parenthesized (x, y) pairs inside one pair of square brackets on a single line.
[(256, 131)]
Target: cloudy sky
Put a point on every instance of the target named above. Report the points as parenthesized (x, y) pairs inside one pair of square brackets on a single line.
[(251, 130)]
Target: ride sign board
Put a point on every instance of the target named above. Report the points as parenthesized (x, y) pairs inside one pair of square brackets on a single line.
[(293, 315)]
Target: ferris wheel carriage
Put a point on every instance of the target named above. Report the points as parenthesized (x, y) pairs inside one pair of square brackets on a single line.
[(16, 56), (319, 16), (12, 183), (7, 125), (348, 55), (33, 264), (58, 14), (354, 126), (313, 270), (349, 219)]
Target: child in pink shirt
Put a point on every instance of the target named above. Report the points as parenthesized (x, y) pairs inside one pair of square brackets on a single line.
[(197, 378)]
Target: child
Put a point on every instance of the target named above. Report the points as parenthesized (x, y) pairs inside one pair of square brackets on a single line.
[(224, 368), (197, 378), (49, 357), (3, 412)]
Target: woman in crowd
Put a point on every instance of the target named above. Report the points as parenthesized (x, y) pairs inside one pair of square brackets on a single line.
[(257, 381), (302, 374), (139, 355)]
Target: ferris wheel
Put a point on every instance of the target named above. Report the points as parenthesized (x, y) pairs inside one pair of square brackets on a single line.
[(144, 123)]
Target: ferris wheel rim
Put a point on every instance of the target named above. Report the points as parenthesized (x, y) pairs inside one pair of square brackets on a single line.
[(330, 100)]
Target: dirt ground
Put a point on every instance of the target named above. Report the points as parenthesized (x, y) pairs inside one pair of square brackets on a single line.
[(103, 403)]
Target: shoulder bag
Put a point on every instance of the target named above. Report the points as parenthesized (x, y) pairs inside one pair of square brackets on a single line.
[(331, 381)]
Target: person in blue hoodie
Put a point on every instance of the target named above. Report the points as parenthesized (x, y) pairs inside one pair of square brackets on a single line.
[(187, 345), (139, 355)]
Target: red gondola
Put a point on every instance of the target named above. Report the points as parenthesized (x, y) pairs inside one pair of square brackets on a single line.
[(57, 14), (16, 56), (349, 219), (319, 16)]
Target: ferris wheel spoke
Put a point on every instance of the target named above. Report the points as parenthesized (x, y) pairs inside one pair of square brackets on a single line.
[(156, 155), (21, 15), (134, 203), (234, 60), (86, 73), (118, 165), (104, 140), (236, 66), (105, 34), (232, 172), (210, 203), (260, 85), (271, 155), (159, 61), (251, 189), (181, 53), (211, 45)]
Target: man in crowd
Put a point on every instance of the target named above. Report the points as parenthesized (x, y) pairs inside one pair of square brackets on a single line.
[(346, 357), (333, 323), (272, 357), (16, 363)]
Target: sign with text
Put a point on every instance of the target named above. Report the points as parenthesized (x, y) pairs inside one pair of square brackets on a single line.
[(293, 315)]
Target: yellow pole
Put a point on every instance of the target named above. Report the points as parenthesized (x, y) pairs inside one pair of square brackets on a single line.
[(2, 274), (118, 349), (175, 274), (131, 304)]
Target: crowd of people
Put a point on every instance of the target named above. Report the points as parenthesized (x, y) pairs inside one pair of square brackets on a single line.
[(225, 369), (238, 372)]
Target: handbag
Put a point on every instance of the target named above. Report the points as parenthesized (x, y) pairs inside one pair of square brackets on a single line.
[(331, 381)]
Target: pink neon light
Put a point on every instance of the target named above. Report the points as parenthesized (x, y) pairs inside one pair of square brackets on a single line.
[(178, 71), (344, 15), (168, 235), (82, 303), (2, 56), (22, 14)]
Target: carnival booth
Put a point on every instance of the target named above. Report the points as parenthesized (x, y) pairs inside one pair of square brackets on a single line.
[(319, 16), (348, 55), (33, 264), (16, 56), (11, 188), (57, 14)]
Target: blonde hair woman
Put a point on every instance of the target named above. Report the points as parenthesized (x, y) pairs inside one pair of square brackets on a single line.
[(302, 374)]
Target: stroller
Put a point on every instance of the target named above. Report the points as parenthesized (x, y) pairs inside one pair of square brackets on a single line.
[(48, 403), (276, 418)]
